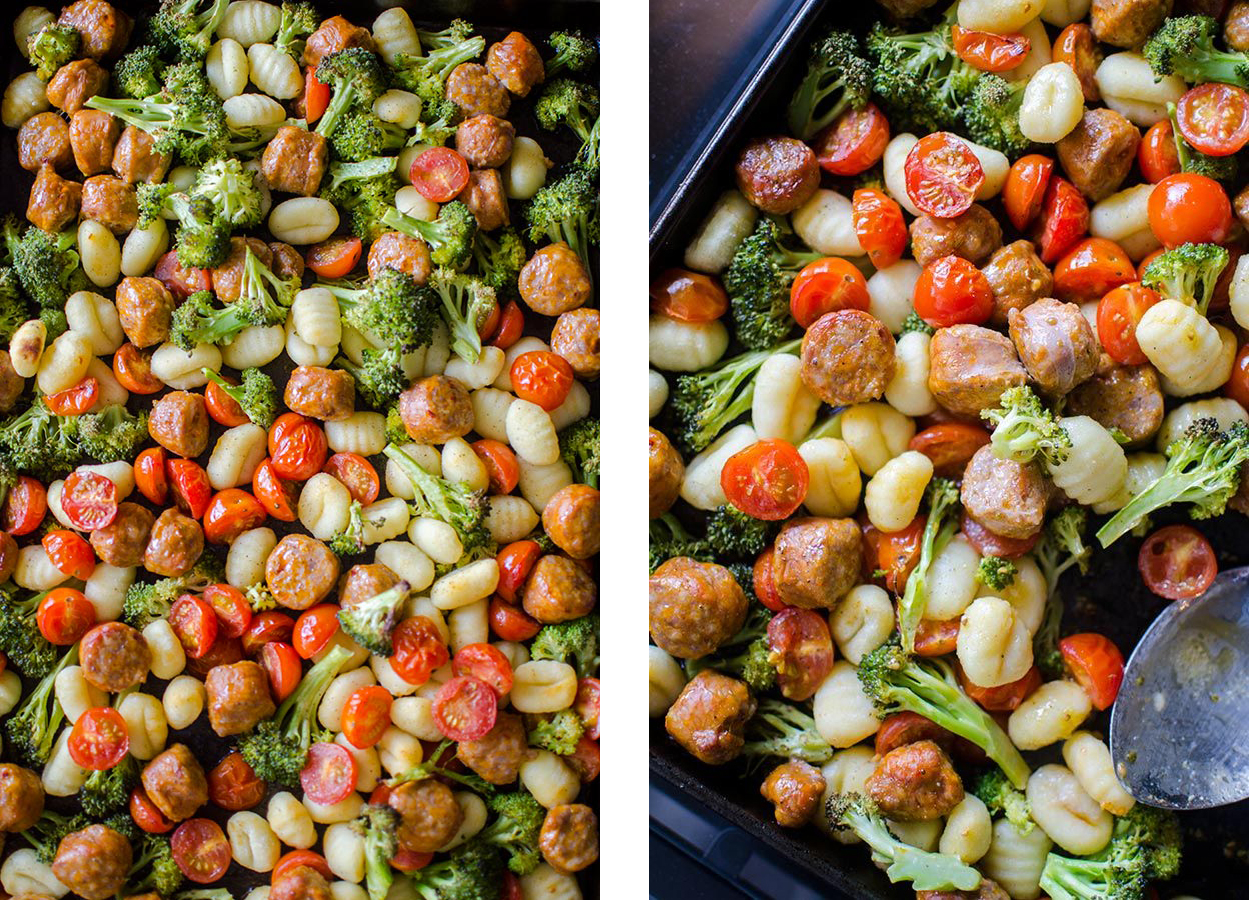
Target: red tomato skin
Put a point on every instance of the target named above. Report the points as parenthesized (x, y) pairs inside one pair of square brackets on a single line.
[(230, 513), (234, 613), (145, 814), (1118, 314), (515, 562), (987, 543), (64, 616), (587, 705), (500, 463), (314, 628), (511, 326), (70, 553), (150, 477), (99, 739), (1064, 220), (854, 142), (301, 452), (1004, 697), (767, 480), (24, 506), (1025, 188), (950, 446), (1214, 118), (511, 623), (896, 553), (542, 377), (356, 474), (880, 226), (366, 716), (484, 662), (763, 581), (266, 626), (1097, 665), (189, 484), (465, 708), (419, 650), (179, 281), (801, 649), (687, 296), (195, 624), (990, 52), (281, 663), (824, 286), (1093, 267), (952, 291), (1157, 156), (75, 400), (89, 500), (278, 496), (1177, 550), (316, 95), (439, 174), (329, 775), (201, 850), (335, 257), (1189, 208), (1237, 386), (233, 785), (942, 175), (133, 369)]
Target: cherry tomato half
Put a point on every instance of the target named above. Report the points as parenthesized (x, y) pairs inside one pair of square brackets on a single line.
[(75, 400), (854, 142), (1189, 208), (1237, 386), (366, 715), (587, 704), (950, 446), (150, 475), (511, 326), (439, 174), (70, 553), (1177, 562), (990, 52), (879, 225), (279, 497), (1093, 267), (195, 624), (515, 562), (181, 282), (942, 175), (1096, 664), (1157, 155), (1024, 191), (281, 663), (234, 613), (800, 648), (314, 628), (1064, 220), (501, 464), (767, 480), (200, 850), (89, 500), (269, 625), (1118, 314), (542, 377), (952, 291), (24, 506), (329, 775), (301, 453), (222, 408), (146, 815), (99, 739), (1214, 118), (64, 616), (465, 708), (893, 553), (688, 296), (763, 580), (229, 513), (190, 487), (1004, 697), (132, 368), (485, 662), (511, 623), (418, 650), (335, 257), (316, 95), (825, 286), (989, 543), (356, 474), (295, 858), (1077, 46), (233, 785)]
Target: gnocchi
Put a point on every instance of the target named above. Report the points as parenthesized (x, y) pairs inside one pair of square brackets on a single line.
[(1129, 87), (1050, 714), (1015, 859), (730, 222), (782, 407), (908, 392), (861, 621), (1089, 760), (253, 845), (1072, 819), (686, 346), (893, 495), (844, 715), (875, 433), (826, 224), (994, 646), (227, 68), (543, 686), (1053, 103), (834, 482)]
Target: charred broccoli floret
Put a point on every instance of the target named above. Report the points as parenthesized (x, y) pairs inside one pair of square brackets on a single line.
[(500, 260), (994, 789), (51, 47), (919, 78), (558, 732), (782, 730), (574, 52), (47, 265), (182, 29), (566, 210), (733, 534), (372, 621), (575, 642), (992, 115), (107, 791), (454, 502), (450, 236), (516, 829), (426, 76), (154, 868), (1146, 845), (392, 308), (232, 191), (380, 378), (20, 638), (112, 434), (299, 20), (669, 539)]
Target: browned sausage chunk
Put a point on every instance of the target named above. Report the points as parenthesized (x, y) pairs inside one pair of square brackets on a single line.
[(694, 607), (1098, 153), (301, 571), (817, 561), (709, 717), (121, 543), (364, 582), (1236, 27), (93, 136), (667, 470), (988, 890), (497, 756), (104, 28), (75, 83), (474, 90), (516, 62), (175, 545), (436, 409), (175, 783), (287, 262), (428, 814), (179, 423), (974, 236), (569, 837), (558, 589), (111, 202), (93, 862), (54, 202), (1018, 278), (1125, 397), (320, 393), (1004, 496), (795, 789), (114, 657), (335, 34), (1127, 23), (485, 141), (570, 519), (847, 357), (554, 280), (399, 251), (228, 277), (575, 337), (21, 798), (915, 783), (137, 159), (295, 160), (43, 138), (1055, 344), (11, 384), (301, 883), (145, 308), (484, 197), (777, 174), (238, 697), (969, 367)]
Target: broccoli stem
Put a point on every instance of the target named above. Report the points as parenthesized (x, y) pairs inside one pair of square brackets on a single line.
[(938, 531)]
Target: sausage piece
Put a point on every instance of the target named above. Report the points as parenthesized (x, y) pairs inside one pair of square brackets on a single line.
[(428, 814), (795, 788), (694, 607), (1236, 26), (817, 561), (1098, 153), (1006, 497), (988, 890), (145, 308), (295, 160), (287, 262), (111, 202), (21, 798), (1125, 397), (576, 338), (472, 88), (554, 280), (93, 135), (1055, 344), (121, 543), (667, 471), (1127, 23), (114, 657), (1018, 278), (399, 251), (364, 582), (485, 141), (43, 138), (570, 519), (497, 756), (484, 197), (569, 837), (75, 83), (973, 235), (709, 717), (238, 697), (137, 159), (915, 783), (970, 367), (558, 589), (54, 202), (93, 862), (104, 28), (436, 409), (848, 357), (175, 782), (175, 545), (334, 34), (320, 393), (301, 571), (516, 62), (179, 423), (11, 384), (777, 174)]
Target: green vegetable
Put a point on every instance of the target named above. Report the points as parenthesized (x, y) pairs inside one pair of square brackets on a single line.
[(467, 302), (450, 236), (996, 573), (454, 502), (33, 726), (1002, 798), (733, 534), (782, 730), (573, 53), (579, 448), (392, 308), (1024, 429), (758, 280), (182, 29), (372, 622), (920, 81), (558, 732), (575, 642), (1184, 46), (1147, 845), (991, 115), (837, 78), (943, 505), (257, 394), (52, 47), (1187, 273), (516, 830)]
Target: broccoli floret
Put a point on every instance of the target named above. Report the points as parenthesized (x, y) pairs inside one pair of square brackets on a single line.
[(780, 729), (579, 448), (299, 20), (396, 431), (52, 47), (354, 131), (454, 502), (433, 766), (939, 528), (182, 29), (49, 830), (392, 308), (450, 236), (20, 638), (1061, 547), (516, 829), (377, 825), (14, 310), (734, 534), (1146, 845), (154, 868), (257, 395), (992, 115), (1003, 798), (260, 598), (669, 539), (203, 238), (558, 732), (232, 191), (426, 75), (757, 281), (32, 728), (1184, 46), (575, 642), (1203, 468), (996, 573), (896, 682), (140, 73), (372, 621), (568, 102), (913, 322), (277, 748), (472, 871), (197, 321), (574, 52), (746, 655), (347, 178), (1220, 168), (47, 265), (467, 303), (1024, 428), (145, 603), (499, 261), (1187, 273), (380, 378), (39, 442), (926, 870), (566, 210), (705, 403), (919, 79), (350, 540), (112, 434), (837, 78)]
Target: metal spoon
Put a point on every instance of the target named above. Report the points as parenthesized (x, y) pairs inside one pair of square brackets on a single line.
[(1179, 732)]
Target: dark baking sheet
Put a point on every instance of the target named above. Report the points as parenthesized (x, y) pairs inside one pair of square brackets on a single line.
[(494, 19), (1110, 599)]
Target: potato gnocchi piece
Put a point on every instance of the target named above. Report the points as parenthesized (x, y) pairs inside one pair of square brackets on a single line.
[(825, 223), (1088, 758), (666, 678), (844, 715), (994, 646), (686, 346), (861, 622), (893, 495), (834, 481), (782, 407), (1129, 87), (1015, 860), (875, 433), (1050, 714), (730, 222), (1072, 819)]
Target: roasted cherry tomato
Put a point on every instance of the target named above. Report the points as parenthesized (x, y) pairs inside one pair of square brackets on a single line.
[(585, 760), (329, 775), (511, 623), (893, 553), (234, 613), (200, 850), (335, 257), (366, 715), (764, 582), (1118, 314), (879, 225), (1064, 220), (99, 739), (1237, 386), (190, 487), (70, 553), (1093, 267), (465, 708), (854, 142), (65, 615), (296, 858), (439, 174), (542, 377), (314, 628), (485, 662), (1096, 664), (146, 815), (8, 561), (281, 427), (952, 291), (511, 326), (24, 506), (229, 514), (1024, 191), (1077, 46), (825, 286), (179, 281), (515, 562), (935, 637), (233, 785), (990, 52), (195, 624), (222, 408), (280, 498), (281, 663), (356, 474), (301, 452), (950, 446), (902, 728), (1157, 156), (89, 500), (767, 480), (500, 463), (688, 296), (1189, 208), (942, 175), (316, 95), (1214, 118), (76, 400), (150, 475), (1177, 562), (988, 543), (800, 648), (1004, 697), (132, 368), (268, 625), (418, 650)]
